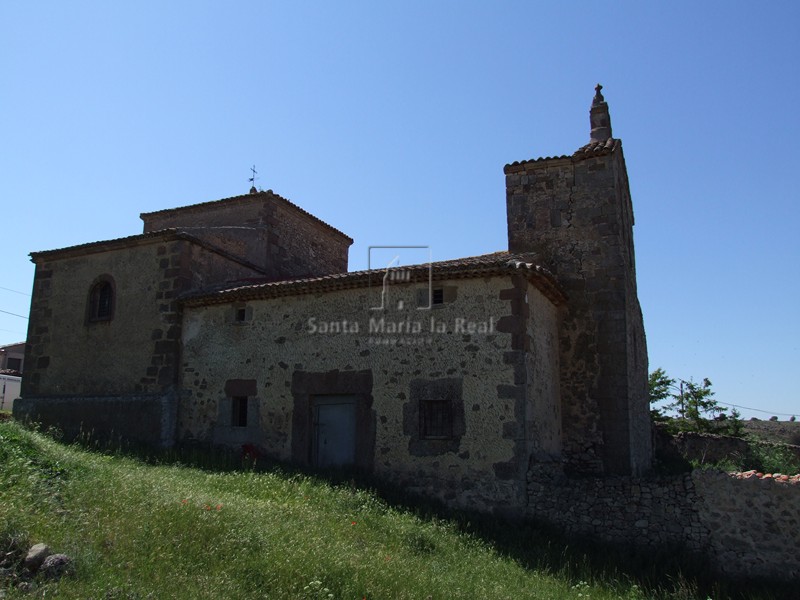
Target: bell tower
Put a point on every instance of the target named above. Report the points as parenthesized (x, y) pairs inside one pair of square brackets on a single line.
[(575, 213)]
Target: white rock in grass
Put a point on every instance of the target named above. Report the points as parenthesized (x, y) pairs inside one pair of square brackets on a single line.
[(36, 556)]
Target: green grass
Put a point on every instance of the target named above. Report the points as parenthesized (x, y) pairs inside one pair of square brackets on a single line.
[(139, 530)]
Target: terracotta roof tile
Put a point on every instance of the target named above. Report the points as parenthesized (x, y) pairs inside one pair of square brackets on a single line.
[(590, 150), (473, 266), (109, 244), (597, 148), (244, 198)]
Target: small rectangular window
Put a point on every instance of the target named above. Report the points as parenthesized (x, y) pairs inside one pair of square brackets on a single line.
[(438, 296), (436, 419), (15, 364), (241, 314), (239, 411)]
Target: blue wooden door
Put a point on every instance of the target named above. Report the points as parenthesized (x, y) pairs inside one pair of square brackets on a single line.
[(334, 442)]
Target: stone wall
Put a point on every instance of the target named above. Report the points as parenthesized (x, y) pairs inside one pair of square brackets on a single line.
[(753, 524), (575, 213), (295, 347), (708, 448), (542, 375), (301, 245), (144, 418), (135, 351), (69, 355), (748, 527), (263, 229)]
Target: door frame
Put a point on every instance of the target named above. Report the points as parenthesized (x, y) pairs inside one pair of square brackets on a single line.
[(306, 385)]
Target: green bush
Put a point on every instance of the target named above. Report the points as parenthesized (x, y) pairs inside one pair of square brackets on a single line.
[(773, 458)]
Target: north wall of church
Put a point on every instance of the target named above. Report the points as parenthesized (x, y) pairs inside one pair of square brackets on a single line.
[(113, 374), (290, 352), (69, 353)]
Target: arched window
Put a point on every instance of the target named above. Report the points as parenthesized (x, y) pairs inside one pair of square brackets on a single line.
[(101, 300)]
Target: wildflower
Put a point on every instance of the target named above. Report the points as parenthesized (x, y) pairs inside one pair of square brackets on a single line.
[(184, 501), (219, 507), (352, 523), (206, 507)]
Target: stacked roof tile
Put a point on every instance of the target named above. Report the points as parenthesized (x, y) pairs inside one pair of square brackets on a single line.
[(473, 266), (590, 150)]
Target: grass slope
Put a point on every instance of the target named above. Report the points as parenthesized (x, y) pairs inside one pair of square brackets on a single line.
[(138, 530)]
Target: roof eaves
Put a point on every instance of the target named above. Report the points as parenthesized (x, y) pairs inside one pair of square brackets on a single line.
[(590, 150), (459, 269), (103, 245)]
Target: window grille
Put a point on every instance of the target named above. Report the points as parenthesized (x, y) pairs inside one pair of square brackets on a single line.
[(436, 418)]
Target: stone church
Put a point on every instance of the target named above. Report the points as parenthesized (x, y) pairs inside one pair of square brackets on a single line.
[(236, 323)]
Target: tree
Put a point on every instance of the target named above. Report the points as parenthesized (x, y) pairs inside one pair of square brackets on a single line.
[(694, 403), (659, 385), (696, 400)]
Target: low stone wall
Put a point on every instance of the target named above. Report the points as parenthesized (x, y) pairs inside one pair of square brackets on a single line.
[(712, 448), (708, 448), (747, 527), (145, 418), (753, 523)]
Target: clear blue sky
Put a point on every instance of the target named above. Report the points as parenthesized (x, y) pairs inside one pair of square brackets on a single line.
[(392, 121)]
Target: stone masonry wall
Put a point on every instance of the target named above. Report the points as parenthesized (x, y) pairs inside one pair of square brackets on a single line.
[(263, 229), (753, 524), (289, 358), (136, 351), (69, 356), (542, 375), (144, 418), (748, 527), (300, 246), (711, 448), (575, 214)]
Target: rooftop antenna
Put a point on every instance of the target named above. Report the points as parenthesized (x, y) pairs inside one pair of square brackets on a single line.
[(252, 180)]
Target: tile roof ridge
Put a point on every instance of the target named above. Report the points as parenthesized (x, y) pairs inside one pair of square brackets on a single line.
[(242, 198), (496, 262)]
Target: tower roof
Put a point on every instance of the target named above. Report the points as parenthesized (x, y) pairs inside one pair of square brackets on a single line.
[(600, 140)]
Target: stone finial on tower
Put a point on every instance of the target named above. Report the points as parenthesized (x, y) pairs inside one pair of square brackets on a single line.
[(599, 117)]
